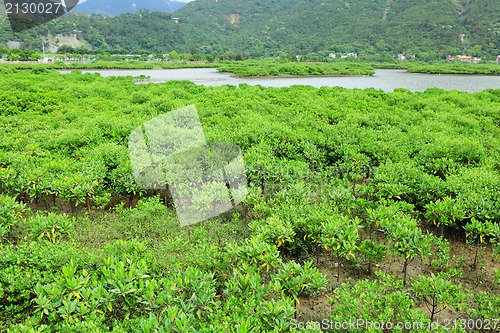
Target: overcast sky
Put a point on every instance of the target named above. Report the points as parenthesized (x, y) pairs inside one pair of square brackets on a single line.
[(140, 0)]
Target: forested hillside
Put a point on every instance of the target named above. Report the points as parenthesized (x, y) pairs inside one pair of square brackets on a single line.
[(139, 31), (363, 26), (429, 29)]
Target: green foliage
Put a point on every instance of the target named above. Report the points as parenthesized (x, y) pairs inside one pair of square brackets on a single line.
[(445, 212), (296, 280), (99, 65), (456, 68), (487, 306), (408, 241), (339, 235), (477, 187), (261, 68), (50, 227), (321, 164), (440, 254), (255, 251), (249, 297), (11, 213), (82, 146), (25, 266), (439, 293), (475, 232), (274, 231), (122, 287), (371, 253), (374, 301), (388, 212)]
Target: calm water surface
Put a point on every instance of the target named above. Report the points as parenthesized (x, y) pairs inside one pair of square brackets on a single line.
[(384, 79)]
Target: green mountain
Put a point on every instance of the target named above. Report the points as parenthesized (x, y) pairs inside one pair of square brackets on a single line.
[(141, 31), (427, 28), (363, 26)]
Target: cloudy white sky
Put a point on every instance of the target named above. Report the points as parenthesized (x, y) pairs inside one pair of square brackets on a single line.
[(140, 0)]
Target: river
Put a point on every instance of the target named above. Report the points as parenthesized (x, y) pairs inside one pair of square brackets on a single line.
[(384, 79)]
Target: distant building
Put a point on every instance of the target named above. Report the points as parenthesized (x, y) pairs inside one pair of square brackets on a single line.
[(463, 58), (13, 45), (45, 60), (351, 54), (332, 55), (401, 57), (498, 58), (176, 19)]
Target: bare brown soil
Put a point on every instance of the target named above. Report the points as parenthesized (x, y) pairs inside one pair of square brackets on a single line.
[(472, 280)]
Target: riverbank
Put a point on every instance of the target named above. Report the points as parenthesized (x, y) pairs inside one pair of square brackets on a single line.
[(266, 68), (294, 69), (455, 68), (106, 65), (289, 76)]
